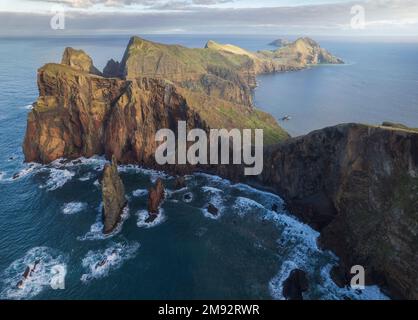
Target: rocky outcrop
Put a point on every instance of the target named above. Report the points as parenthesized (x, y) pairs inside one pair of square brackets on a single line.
[(212, 209), (358, 185), (295, 285), (299, 54), (112, 69), (156, 195), (79, 114), (113, 194), (279, 43), (79, 60)]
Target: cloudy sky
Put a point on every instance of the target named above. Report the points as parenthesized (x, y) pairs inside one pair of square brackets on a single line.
[(285, 17)]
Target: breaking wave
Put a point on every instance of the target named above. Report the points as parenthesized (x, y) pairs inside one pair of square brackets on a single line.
[(140, 192), (143, 216), (100, 263), (57, 179), (96, 229), (50, 264), (74, 207)]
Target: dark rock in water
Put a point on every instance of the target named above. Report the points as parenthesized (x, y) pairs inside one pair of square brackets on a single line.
[(187, 197), (15, 176), (113, 192), (179, 183), (212, 209), (339, 276), (155, 197), (151, 217), (295, 285), (274, 207), (78, 161), (27, 272)]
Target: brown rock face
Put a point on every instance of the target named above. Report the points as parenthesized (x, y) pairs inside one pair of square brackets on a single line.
[(295, 285), (156, 196), (113, 193), (79, 60), (358, 184), (79, 114)]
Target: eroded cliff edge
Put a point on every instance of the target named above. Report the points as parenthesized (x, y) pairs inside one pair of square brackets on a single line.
[(358, 185)]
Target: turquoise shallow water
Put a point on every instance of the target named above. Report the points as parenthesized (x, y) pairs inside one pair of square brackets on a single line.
[(52, 213)]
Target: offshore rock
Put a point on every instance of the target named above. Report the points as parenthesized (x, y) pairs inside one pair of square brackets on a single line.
[(295, 285), (113, 194), (156, 196)]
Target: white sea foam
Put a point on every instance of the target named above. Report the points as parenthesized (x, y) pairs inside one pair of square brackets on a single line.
[(100, 263), (27, 169), (97, 161), (335, 292), (211, 189), (49, 261), (143, 216), (57, 179), (86, 177), (96, 229), (153, 174), (215, 198), (28, 107), (96, 183), (244, 205), (74, 207), (140, 192), (267, 199), (188, 197)]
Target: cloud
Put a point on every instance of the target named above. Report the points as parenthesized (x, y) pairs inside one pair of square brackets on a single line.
[(152, 4), (382, 17)]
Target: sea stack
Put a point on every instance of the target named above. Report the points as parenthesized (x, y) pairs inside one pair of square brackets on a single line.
[(156, 196), (113, 192)]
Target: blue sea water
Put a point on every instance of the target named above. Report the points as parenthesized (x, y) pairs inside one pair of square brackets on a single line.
[(52, 212)]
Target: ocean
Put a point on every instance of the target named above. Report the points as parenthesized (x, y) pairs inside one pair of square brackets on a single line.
[(52, 212)]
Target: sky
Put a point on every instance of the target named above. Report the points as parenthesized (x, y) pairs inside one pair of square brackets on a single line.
[(394, 18)]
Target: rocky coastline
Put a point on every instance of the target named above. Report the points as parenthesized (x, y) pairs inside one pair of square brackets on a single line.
[(357, 184)]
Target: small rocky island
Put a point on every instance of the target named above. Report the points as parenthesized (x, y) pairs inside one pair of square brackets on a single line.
[(113, 194), (279, 43), (356, 184)]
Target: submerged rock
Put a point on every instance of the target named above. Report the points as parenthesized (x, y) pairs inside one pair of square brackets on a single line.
[(212, 209), (113, 192), (295, 285)]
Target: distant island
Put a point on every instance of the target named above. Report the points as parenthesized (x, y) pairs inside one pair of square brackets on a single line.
[(354, 183), (279, 43)]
